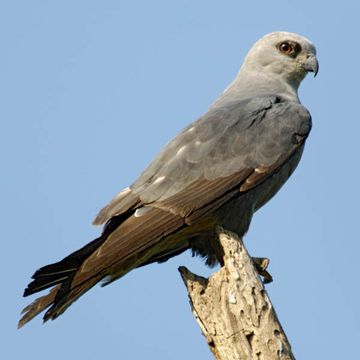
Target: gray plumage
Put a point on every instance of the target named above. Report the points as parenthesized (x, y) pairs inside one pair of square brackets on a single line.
[(217, 172)]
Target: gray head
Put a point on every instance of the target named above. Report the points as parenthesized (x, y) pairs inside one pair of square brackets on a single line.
[(283, 54), (275, 64)]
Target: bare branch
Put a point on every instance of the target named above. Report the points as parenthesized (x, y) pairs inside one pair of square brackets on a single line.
[(233, 309)]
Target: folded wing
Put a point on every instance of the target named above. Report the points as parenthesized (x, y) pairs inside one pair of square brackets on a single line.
[(232, 148)]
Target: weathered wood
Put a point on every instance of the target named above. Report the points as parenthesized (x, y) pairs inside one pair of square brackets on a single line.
[(233, 309)]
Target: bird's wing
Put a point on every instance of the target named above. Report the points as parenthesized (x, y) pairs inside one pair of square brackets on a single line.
[(242, 140), (230, 149)]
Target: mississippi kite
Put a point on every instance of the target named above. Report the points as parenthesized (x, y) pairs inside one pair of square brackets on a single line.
[(217, 172)]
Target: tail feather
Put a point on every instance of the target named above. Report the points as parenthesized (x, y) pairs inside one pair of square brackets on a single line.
[(36, 307), (62, 295), (63, 270), (64, 301), (60, 276), (58, 306)]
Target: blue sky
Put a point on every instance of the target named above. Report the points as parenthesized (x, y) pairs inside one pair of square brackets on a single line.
[(90, 92)]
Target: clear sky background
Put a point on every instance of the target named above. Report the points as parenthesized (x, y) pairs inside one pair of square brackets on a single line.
[(90, 91)]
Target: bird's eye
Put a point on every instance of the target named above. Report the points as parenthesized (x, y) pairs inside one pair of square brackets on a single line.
[(286, 48)]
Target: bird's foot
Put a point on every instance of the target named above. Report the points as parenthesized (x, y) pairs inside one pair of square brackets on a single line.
[(261, 265)]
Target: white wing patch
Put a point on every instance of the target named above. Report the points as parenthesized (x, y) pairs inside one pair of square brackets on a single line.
[(142, 211), (159, 179), (181, 150), (122, 193)]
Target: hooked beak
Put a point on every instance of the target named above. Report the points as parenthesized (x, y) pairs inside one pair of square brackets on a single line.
[(311, 64)]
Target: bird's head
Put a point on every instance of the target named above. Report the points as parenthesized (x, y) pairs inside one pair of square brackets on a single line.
[(281, 57)]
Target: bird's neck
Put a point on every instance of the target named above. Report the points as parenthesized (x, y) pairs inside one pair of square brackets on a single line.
[(252, 83)]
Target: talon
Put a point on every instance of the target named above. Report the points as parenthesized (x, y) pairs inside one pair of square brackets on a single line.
[(261, 265)]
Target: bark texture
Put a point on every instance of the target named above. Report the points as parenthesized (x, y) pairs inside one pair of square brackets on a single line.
[(233, 309)]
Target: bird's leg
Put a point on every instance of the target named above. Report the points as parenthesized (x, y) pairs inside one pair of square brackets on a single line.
[(218, 250), (261, 265)]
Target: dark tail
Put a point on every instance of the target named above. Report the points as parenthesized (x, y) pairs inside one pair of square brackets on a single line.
[(60, 275)]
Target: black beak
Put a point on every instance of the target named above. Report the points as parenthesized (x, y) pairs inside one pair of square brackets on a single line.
[(311, 64)]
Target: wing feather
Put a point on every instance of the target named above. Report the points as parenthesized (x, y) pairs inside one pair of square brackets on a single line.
[(229, 150)]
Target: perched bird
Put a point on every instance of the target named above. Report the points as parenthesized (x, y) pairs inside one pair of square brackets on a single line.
[(217, 172)]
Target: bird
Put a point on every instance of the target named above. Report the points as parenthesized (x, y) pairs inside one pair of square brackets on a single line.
[(217, 172)]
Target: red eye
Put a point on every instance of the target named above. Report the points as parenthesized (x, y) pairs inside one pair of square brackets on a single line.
[(286, 48)]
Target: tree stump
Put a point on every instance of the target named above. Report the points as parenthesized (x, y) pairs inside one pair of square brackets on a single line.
[(233, 308)]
